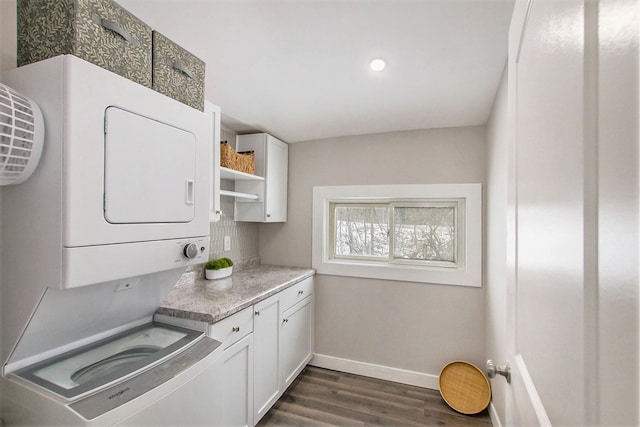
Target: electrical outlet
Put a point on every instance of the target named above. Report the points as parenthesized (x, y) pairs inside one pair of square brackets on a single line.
[(227, 243)]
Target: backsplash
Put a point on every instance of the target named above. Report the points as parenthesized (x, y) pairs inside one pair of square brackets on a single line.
[(244, 235)]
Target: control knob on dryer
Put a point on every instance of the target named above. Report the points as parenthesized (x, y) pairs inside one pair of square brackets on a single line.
[(190, 250)]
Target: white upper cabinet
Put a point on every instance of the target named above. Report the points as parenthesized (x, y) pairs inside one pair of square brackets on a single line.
[(214, 205), (272, 163)]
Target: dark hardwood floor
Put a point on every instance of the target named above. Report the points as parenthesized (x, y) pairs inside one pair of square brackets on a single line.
[(320, 397)]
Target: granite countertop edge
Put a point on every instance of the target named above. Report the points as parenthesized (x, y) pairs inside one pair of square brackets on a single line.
[(192, 299)]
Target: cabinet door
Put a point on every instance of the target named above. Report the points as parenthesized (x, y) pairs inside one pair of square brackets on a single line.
[(214, 204), (266, 338), (234, 385), (277, 161), (272, 162), (296, 340)]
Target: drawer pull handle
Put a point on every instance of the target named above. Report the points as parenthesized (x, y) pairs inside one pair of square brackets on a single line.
[(236, 329), (116, 28), (300, 292), (180, 67), (285, 320)]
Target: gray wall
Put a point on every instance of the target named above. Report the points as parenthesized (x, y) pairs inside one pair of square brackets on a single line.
[(417, 327), (7, 34), (496, 241), (7, 61)]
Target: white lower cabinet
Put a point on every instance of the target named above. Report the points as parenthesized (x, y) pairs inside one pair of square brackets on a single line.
[(234, 385), (283, 343), (266, 381), (296, 341), (266, 347)]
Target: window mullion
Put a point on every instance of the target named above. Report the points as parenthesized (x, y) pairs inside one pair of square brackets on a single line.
[(391, 233)]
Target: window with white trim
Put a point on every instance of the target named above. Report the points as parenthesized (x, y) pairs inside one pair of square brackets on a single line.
[(423, 233)]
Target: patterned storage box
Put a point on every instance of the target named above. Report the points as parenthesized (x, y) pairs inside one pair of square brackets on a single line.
[(98, 31), (177, 73)]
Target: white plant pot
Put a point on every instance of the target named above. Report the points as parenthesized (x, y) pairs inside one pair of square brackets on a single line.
[(218, 274)]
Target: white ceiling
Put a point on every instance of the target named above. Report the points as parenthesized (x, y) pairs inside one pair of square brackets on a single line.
[(298, 69)]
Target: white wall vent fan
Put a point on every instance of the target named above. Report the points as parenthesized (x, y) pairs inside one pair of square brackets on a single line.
[(21, 136)]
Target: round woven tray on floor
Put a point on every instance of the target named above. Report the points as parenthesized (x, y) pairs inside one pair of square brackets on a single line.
[(464, 387)]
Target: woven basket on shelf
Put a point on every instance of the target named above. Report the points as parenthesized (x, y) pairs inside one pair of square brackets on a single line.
[(243, 161), (464, 387)]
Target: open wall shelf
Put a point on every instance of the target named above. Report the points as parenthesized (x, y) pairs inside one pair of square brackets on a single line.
[(233, 175)]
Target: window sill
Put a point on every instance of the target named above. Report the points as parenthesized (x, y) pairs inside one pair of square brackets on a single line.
[(400, 273)]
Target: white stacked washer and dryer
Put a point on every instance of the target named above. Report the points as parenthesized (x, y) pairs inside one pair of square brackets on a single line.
[(92, 242)]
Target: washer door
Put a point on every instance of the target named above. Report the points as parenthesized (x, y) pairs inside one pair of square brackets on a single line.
[(90, 368), (150, 170)]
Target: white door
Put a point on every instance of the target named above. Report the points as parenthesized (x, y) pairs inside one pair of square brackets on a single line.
[(548, 276), (567, 313)]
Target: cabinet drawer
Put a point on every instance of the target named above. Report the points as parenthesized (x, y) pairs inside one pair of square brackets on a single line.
[(177, 73), (234, 327), (295, 293), (98, 31)]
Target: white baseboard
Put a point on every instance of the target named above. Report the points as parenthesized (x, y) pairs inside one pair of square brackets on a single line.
[(493, 416), (375, 371)]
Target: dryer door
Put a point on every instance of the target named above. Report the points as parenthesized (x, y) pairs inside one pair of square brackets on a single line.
[(150, 170)]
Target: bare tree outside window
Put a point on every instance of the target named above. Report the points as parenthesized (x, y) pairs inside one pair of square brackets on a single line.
[(424, 233), (362, 231), (421, 233)]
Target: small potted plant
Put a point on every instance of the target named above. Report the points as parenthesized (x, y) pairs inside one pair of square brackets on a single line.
[(218, 268)]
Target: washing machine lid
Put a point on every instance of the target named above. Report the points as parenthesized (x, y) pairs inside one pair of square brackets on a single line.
[(65, 320), (93, 367)]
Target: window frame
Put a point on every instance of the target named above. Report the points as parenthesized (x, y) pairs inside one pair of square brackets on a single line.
[(468, 271)]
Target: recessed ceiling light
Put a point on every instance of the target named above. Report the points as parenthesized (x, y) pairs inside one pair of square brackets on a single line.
[(377, 64)]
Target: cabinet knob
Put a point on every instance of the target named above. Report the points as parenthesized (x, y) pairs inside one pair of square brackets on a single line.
[(257, 313), (285, 320), (218, 212), (268, 215), (300, 292), (236, 329)]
